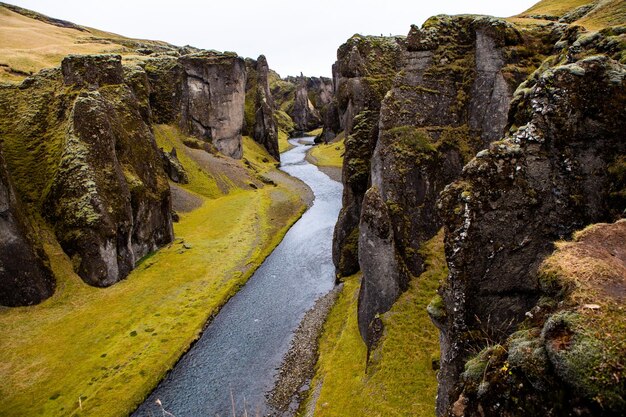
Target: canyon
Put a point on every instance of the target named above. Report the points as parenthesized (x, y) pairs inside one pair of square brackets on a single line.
[(479, 253)]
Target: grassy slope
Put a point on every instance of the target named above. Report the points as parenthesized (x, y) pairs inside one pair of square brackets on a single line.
[(111, 346), (330, 155), (283, 141), (28, 45), (399, 380), (607, 13)]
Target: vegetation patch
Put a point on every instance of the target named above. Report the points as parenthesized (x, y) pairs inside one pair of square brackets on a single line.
[(399, 379), (99, 352), (329, 155)]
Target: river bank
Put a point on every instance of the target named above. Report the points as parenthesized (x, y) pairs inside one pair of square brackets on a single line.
[(235, 360), (100, 352)]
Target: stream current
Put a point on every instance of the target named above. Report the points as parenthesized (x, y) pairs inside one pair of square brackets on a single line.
[(239, 352)]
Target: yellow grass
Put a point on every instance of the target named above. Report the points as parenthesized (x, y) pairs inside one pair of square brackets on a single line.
[(330, 155), (606, 13), (110, 347), (28, 45), (399, 380)]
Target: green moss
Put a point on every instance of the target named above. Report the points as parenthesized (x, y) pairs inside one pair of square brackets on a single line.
[(200, 181), (400, 379), (230, 237), (436, 308), (476, 368), (33, 136), (284, 122), (350, 249), (330, 155), (283, 141), (588, 358), (410, 141)]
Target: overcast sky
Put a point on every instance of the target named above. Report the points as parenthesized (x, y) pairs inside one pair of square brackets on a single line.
[(295, 36)]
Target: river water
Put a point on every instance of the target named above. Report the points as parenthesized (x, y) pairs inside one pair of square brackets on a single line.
[(242, 348)]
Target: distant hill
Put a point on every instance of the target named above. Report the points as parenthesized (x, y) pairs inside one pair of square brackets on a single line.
[(593, 15), (30, 41)]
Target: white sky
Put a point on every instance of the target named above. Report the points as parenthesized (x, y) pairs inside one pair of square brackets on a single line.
[(295, 36)]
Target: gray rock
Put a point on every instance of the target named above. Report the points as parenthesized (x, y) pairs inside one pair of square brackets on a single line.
[(25, 276)]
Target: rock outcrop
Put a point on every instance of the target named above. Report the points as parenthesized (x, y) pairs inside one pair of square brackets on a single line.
[(173, 168), (204, 92), (362, 75), (305, 116), (557, 170), (81, 151), (302, 103), (25, 276), (449, 100), (568, 358), (260, 119)]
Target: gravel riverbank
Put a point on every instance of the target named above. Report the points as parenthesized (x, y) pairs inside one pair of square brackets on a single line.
[(298, 364)]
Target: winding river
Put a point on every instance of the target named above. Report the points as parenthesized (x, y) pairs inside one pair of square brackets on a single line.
[(242, 348)]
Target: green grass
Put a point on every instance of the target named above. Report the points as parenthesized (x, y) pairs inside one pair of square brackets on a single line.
[(200, 181), (399, 380), (283, 141), (315, 132), (110, 347), (330, 155)]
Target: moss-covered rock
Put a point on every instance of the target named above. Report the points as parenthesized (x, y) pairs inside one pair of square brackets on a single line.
[(94, 171), (25, 276), (549, 177), (448, 101), (363, 74), (570, 357), (260, 112)]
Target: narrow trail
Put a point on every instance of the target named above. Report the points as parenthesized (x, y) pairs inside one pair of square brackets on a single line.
[(239, 352)]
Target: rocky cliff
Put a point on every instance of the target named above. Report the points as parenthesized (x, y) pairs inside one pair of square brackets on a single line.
[(25, 277), (362, 75), (451, 90), (556, 171), (304, 101), (449, 101), (260, 119), (204, 92), (79, 145)]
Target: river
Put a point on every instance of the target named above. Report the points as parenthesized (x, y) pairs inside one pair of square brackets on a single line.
[(240, 351)]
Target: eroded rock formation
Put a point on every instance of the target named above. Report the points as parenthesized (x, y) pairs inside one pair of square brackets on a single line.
[(548, 177), (204, 92), (260, 119), (449, 100), (82, 154), (25, 277), (302, 103), (362, 75)]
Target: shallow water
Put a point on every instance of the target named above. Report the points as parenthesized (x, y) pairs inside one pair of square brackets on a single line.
[(241, 349)]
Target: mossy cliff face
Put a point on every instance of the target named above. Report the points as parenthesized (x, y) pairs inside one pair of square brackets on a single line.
[(204, 92), (305, 116), (81, 149), (260, 120), (213, 99), (25, 277), (362, 75), (301, 102), (449, 100), (555, 172), (568, 357)]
